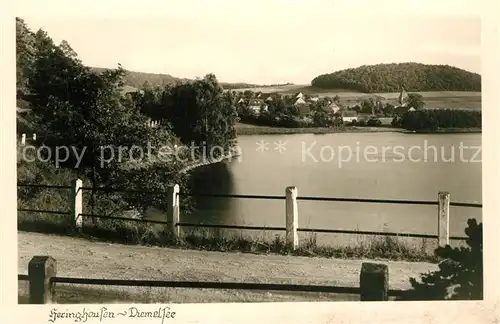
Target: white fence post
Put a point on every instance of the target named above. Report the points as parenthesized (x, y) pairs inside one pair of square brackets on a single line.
[(173, 209), (23, 139), (77, 203), (292, 217), (443, 218), (34, 136)]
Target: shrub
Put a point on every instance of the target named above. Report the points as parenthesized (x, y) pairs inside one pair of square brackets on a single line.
[(373, 122), (460, 274)]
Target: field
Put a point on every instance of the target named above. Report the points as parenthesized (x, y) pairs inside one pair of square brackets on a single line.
[(83, 258)]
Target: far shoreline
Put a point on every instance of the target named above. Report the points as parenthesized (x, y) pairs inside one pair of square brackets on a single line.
[(250, 129)]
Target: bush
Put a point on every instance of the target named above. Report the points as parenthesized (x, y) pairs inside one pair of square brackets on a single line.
[(373, 122), (460, 274)]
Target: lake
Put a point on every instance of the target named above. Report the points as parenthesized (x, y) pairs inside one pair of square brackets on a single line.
[(351, 165)]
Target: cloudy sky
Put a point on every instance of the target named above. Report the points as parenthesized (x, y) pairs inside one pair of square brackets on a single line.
[(268, 41)]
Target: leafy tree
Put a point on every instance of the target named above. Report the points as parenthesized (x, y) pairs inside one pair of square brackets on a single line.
[(388, 110), (200, 113), (74, 107), (321, 118), (356, 108), (415, 100), (25, 55), (460, 274), (248, 94), (367, 106)]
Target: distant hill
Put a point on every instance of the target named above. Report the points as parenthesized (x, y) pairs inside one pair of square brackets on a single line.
[(138, 79), (391, 77)]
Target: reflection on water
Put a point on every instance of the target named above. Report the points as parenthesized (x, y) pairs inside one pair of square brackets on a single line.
[(212, 179)]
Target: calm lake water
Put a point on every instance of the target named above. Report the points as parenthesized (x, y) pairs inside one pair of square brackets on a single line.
[(351, 165)]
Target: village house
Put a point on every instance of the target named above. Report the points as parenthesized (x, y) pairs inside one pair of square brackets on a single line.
[(300, 101), (299, 95), (348, 116), (302, 106), (256, 104)]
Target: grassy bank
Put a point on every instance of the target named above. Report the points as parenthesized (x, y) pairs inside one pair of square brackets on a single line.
[(139, 233), (248, 129), (450, 131)]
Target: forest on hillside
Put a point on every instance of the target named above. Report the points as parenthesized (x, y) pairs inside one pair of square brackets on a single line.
[(391, 77), (141, 80)]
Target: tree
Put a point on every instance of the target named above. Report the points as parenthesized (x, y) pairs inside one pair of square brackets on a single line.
[(85, 112), (415, 100), (201, 113), (388, 110), (321, 118), (25, 55), (367, 106), (460, 274), (356, 108)]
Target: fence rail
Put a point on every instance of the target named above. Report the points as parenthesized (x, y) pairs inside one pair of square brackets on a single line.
[(291, 198), (373, 283)]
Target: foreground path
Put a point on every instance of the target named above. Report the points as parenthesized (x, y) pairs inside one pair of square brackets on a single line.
[(88, 259)]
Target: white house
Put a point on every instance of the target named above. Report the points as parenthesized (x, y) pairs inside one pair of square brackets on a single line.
[(314, 99), (348, 116), (256, 105), (299, 95), (299, 101), (241, 101), (269, 99)]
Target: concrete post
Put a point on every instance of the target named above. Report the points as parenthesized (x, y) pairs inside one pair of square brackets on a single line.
[(40, 271), (292, 217), (34, 136), (374, 282), (173, 213), (443, 218), (23, 139), (77, 203)]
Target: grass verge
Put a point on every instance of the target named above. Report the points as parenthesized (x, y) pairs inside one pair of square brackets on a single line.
[(210, 239)]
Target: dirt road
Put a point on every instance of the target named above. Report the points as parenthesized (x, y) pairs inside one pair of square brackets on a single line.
[(87, 259)]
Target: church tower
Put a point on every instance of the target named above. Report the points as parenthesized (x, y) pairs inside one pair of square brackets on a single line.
[(403, 97)]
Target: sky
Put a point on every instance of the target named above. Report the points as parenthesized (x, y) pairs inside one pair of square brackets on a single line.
[(262, 42)]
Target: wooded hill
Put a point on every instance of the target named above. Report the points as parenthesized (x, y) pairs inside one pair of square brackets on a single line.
[(391, 77), (140, 79)]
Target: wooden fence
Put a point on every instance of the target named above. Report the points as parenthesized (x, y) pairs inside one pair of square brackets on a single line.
[(291, 198), (42, 278)]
